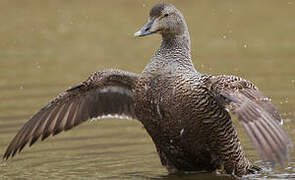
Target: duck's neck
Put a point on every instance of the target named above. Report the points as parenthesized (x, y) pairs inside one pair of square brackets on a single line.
[(176, 41), (173, 56), (176, 48)]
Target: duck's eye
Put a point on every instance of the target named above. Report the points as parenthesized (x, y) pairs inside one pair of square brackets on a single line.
[(165, 15)]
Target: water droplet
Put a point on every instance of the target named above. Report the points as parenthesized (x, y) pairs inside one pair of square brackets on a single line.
[(158, 111), (37, 65), (173, 91), (245, 45), (146, 87), (286, 100), (289, 167), (265, 99), (181, 132)]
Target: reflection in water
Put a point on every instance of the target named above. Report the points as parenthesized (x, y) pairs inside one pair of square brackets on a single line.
[(192, 176), (48, 46)]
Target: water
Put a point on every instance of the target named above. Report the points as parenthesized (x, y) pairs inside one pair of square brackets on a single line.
[(48, 46)]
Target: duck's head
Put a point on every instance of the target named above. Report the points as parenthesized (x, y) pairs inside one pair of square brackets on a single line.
[(164, 19)]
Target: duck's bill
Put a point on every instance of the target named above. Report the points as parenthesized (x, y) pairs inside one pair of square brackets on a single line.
[(145, 30)]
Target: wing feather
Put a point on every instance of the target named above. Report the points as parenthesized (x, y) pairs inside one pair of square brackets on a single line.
[(257, 115), (104, 93)]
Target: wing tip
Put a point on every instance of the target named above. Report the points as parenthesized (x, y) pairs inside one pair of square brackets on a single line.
[(9, 153), (6, 156)]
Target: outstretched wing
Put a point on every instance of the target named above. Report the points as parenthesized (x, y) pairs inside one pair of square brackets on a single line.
[(104, 93), (256, 114)]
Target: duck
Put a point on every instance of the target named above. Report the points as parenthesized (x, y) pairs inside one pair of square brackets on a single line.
[(186, 113)]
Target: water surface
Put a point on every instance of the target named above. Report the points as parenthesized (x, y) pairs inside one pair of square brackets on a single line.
[(48, 46)]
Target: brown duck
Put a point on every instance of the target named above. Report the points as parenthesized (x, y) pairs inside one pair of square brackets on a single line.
[(186, 113)]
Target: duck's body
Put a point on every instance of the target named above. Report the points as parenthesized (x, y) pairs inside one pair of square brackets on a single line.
[(183, 110), (175, 125), (184, 115)]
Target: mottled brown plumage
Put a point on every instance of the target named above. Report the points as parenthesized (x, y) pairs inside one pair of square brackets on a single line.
[(184, 111)]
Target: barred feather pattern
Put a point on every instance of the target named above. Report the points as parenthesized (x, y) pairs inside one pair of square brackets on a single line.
[(256, 114)]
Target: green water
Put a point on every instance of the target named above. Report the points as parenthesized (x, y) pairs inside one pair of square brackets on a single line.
[(47, 46)]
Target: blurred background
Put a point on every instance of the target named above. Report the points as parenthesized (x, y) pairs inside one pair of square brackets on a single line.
[(47, 46)]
